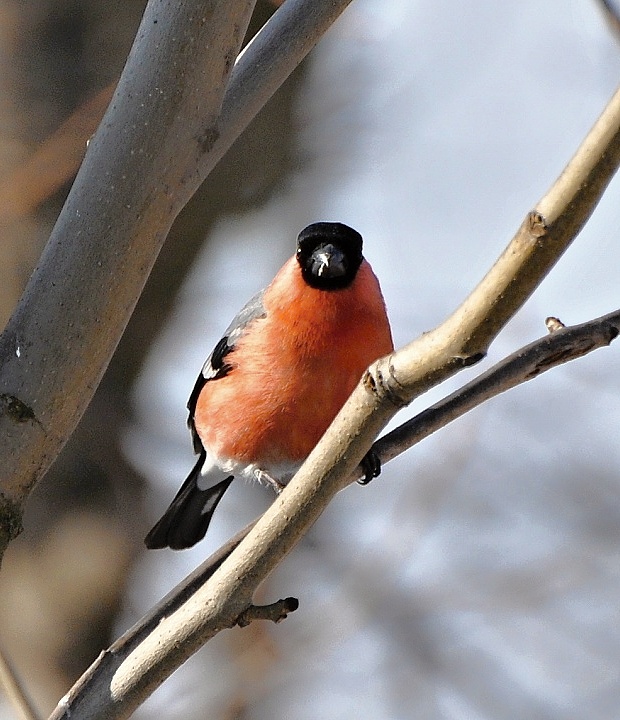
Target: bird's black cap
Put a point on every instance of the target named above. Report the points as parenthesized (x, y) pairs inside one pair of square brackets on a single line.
[(329, 255)]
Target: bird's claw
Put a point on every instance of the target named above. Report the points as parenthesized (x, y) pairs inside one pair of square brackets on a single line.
[(266, 479), (371, 465)]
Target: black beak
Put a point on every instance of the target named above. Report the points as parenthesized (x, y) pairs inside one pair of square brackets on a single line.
[(327, 261)]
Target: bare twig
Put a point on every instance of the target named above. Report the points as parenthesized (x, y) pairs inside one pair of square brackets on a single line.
[(14, 689), (55, 162), (544, 235), (564, 344), (525, 364), (612, 15)]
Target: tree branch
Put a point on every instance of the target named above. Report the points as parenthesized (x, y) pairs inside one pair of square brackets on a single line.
[(92, 696), (544, 235), (561, 346), (225, 588), (61, 336), (14, 690), (612, 15), (527, 363), (161, 135)]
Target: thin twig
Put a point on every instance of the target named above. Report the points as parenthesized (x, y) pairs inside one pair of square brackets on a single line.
[(14, 689), (548, 352), (527, 363), (612, 15)]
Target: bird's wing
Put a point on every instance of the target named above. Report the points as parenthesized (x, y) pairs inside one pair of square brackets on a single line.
[(215, 366)]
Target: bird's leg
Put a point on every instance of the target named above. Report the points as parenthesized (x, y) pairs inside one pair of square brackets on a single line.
[(371, 465), (266, 479)]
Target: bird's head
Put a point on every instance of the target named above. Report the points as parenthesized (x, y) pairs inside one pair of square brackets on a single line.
[(329, 255)]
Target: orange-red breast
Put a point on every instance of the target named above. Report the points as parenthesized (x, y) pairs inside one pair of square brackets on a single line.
[(276, 380)]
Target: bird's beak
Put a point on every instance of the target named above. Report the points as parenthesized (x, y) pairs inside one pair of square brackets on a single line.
[(328, 262)]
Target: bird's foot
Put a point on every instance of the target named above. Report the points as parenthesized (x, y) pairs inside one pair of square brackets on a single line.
[(371, 465), (266, 479)]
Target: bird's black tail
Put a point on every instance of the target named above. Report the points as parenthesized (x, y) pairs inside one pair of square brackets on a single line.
[(187, 519)]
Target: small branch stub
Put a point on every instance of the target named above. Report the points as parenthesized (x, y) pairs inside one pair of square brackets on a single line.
[(276, 612), (537, 224), (554, 324)]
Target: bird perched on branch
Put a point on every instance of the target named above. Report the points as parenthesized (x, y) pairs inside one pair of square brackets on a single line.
[(278, 377)]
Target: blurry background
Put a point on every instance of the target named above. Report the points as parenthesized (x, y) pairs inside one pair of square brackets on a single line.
[(480, 576)]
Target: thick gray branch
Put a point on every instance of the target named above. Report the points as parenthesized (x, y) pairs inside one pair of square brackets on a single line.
[(161, 120), (160, 137)]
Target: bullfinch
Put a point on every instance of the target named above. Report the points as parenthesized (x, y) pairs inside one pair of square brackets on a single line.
[(278, 377)]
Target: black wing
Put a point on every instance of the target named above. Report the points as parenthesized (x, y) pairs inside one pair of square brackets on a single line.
[(216, 366)]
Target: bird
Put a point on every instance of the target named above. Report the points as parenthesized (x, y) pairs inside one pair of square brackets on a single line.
[(281, 372)]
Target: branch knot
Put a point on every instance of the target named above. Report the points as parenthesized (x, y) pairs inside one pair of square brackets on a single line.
[(537, 224), (381, 381), (16, 409)]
